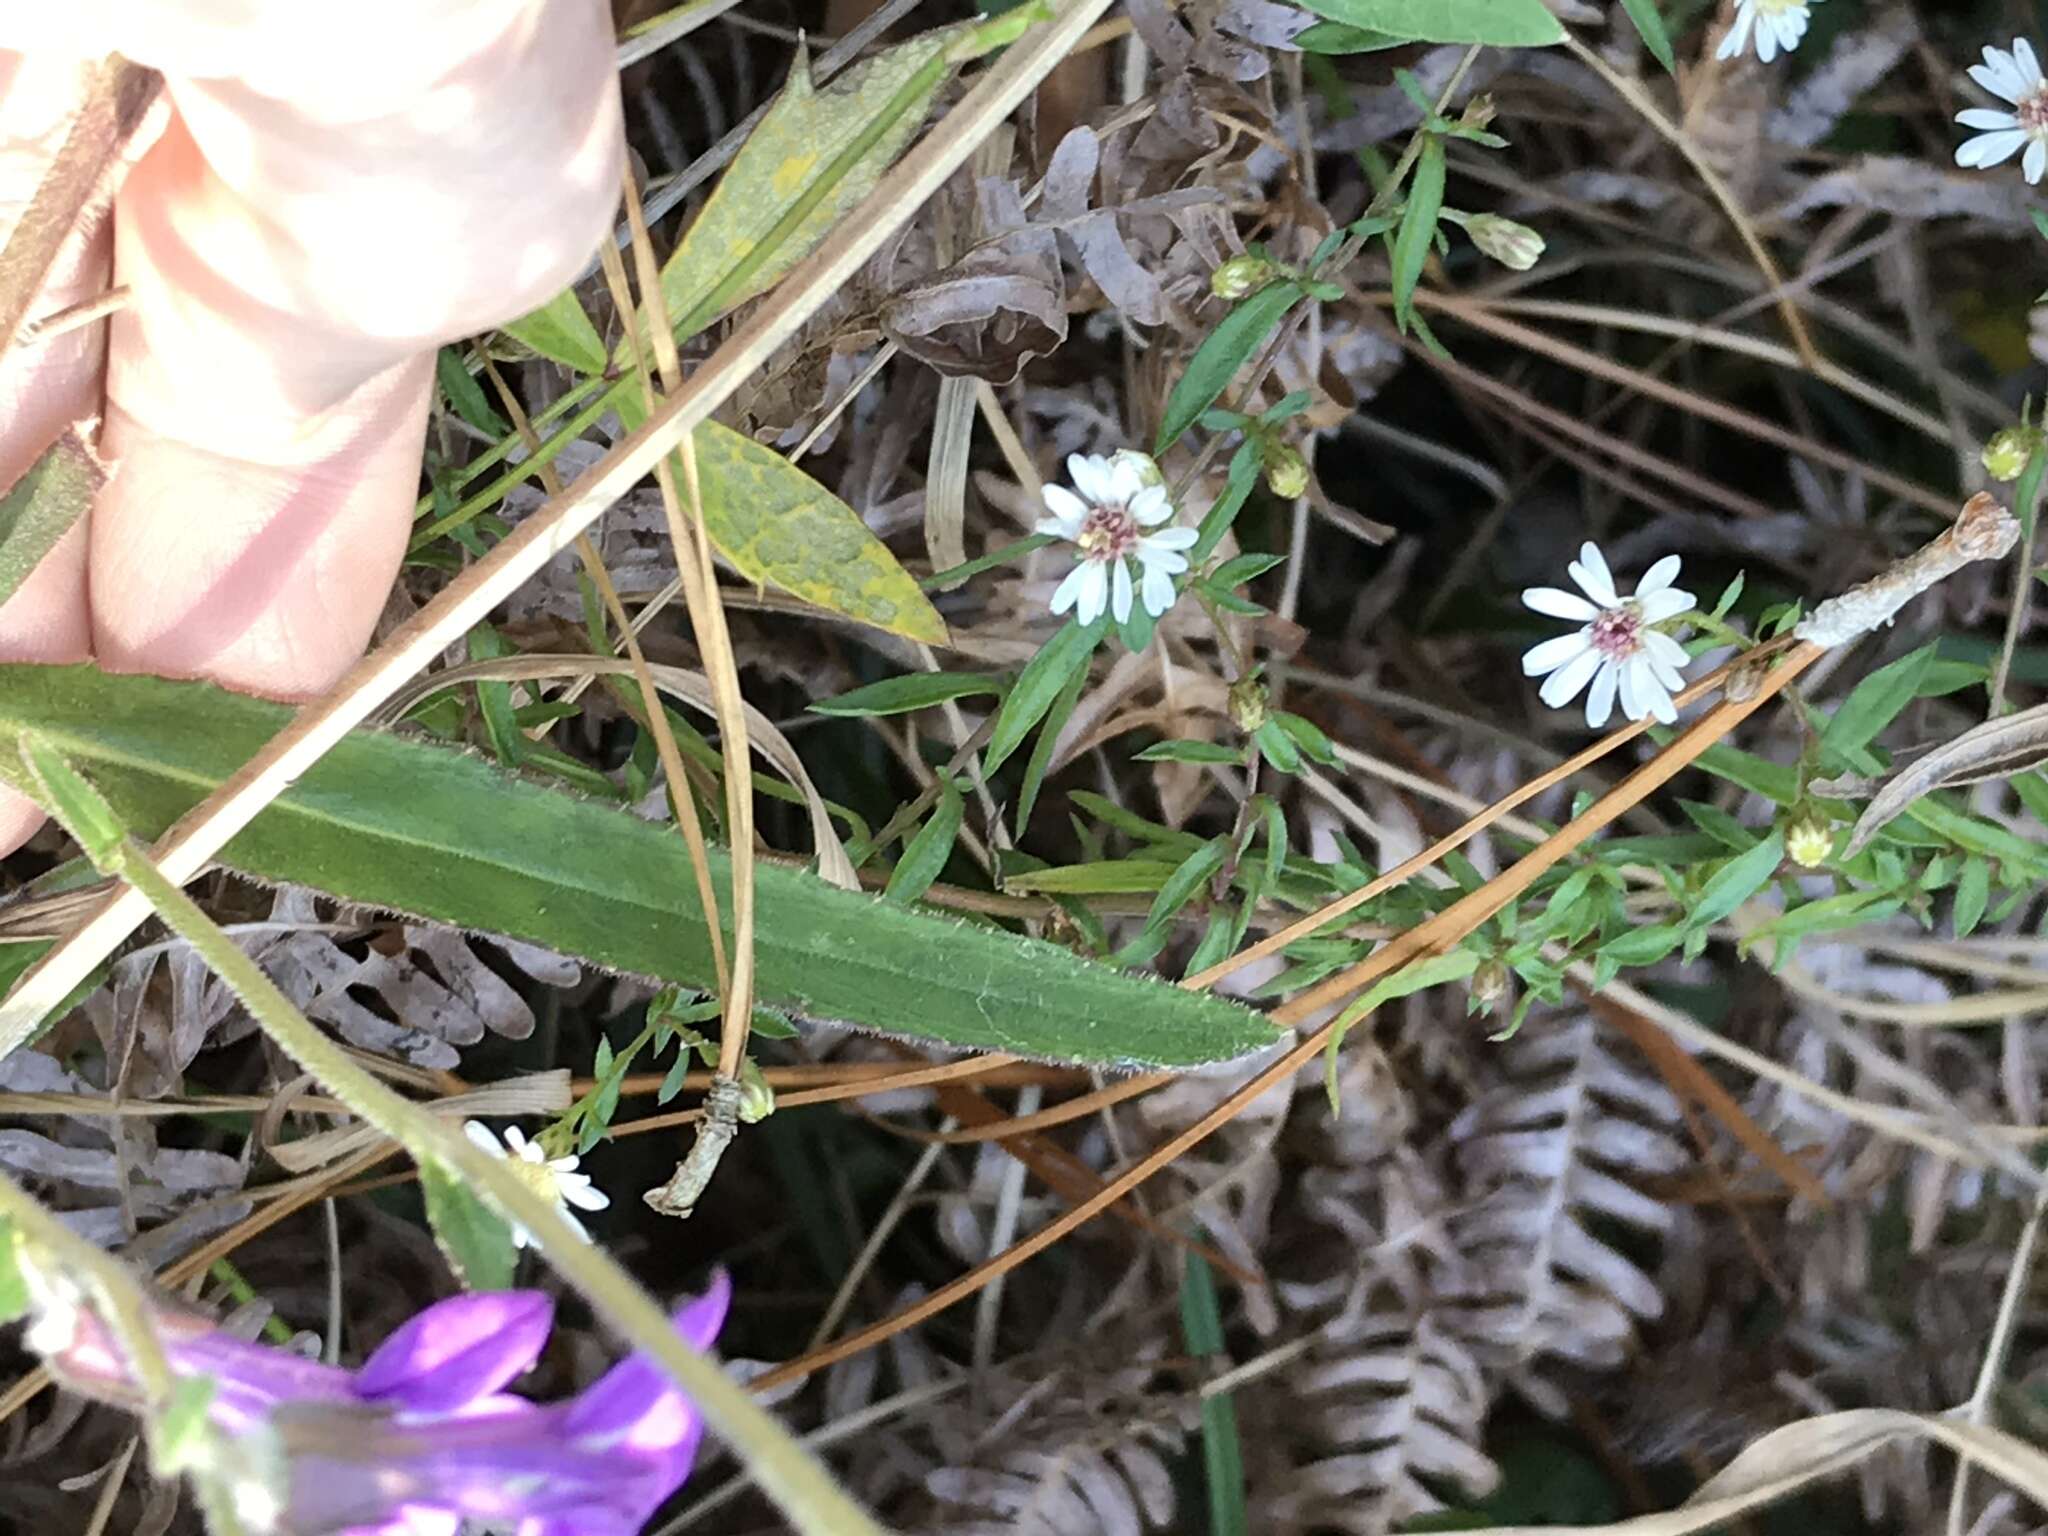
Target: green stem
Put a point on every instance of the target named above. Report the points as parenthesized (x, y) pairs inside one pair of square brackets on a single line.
[(788, 1473)]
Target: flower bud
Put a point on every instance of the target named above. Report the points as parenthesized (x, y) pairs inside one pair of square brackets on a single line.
[(1479, 112), (2006, 455), (1286, 471), (1248, 704), (1146, 466), (1489, 984), (1243, 275), (1809, 840), (1514, 246), (757, 1099)]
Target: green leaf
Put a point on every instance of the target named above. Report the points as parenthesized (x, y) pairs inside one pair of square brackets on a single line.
[(1039, 764), (926, 854), (1651, 25), (1186, 882), (1875, 702), (1502, 23), (1973, 890), (560, 330), (1418, 226), (1190, 752), (14, 1291), (181, 1435), (1277, 747), (1336, 37), (914, 690), (1309, 737), (833, 145), (1044, 678), (1735, 882), (1222, 352), (475, 1240), (778, 525), (1416, 976), (398, 825), (1103, 877), (465, 394), (1222, 1451), (42, 505)]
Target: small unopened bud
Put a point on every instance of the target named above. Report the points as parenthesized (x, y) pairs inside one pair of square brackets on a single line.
[(1248, 704), (1286, 471), (2006, 455), (1243, 275), (1489, 984), (1479, 112), (757, 1099), (1146, 466), (1514, 246), (1809, 841)]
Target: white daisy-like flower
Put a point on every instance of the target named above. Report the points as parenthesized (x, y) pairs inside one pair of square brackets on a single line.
[(1617, 651), (1778, 26), (1109, 521), (553, 1179), (2014, 77)]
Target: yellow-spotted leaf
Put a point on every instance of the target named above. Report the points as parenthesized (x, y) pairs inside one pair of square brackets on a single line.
[(810, 141), (779, 526)]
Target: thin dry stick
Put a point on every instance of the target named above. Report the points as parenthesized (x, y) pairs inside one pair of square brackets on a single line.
[(1431, 937), (207, 828), (1633, 94), (685, 801)]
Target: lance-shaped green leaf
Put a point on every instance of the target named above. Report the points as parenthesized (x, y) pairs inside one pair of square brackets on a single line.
[(560, 330), (389, 823), (815, 154), (1503, 23), (1222, 352), (42, 504), (779, 526)]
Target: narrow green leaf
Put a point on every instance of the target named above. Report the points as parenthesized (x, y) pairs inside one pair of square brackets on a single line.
[(395, 824), (476, 1240), (1416, 976), (1186, 882), (1650, 24), (1875, 702), (1222, 1452), (1643, 946), (465, 394), (1277, 747), (1044, 677), (14, 1291), (1308, 736), (560, 330), (1102, 877), (1973, 891), (1502, 23), (914, 690), (1336, 37), (42, 505), (778, 525), (1735, 882), (1190, 752), (1039, 763), (494, 700), (1222, 352), (926, 853), (1418, 226)]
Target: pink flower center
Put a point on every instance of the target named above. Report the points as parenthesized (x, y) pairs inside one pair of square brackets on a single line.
[(2032, 110), (1110, 533), (1618, 632)]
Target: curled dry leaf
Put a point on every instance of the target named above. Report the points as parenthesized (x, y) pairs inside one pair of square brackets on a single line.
[(1996, 749)]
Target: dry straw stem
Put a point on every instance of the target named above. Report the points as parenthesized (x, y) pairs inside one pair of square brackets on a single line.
[(1789, 1459), (188, 846), (1433, 936)]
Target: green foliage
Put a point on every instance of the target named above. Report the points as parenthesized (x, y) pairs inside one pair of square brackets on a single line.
[(1201, 1322), (1045, 677), (1418, 226), (925, 855), (1335, 37), (475, 1240), (1502, 23), (1650, 23), (465, 395), (915, 690), (393, 824), (560, 330), (1222, 352), (40, 507)]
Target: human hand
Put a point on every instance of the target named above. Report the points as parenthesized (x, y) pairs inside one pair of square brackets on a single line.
[(321, 197)]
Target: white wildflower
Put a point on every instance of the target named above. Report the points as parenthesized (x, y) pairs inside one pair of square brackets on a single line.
[(1778, 25), (555, 1180), (2014, 77), (1617, 651), (1108, 522)]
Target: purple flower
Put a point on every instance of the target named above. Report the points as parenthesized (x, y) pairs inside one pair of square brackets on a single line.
[(423, 1436)]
